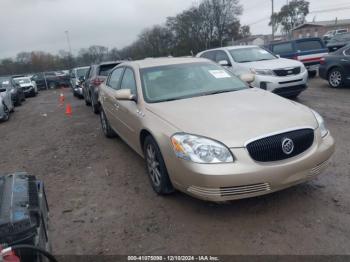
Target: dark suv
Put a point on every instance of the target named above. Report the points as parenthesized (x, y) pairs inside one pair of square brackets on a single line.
[(51, 80), (94, 77), (307, 50)]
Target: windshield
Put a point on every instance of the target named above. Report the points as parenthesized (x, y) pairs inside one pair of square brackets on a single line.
[(22, 81), (244, 55), (82, 72), (173, 82)]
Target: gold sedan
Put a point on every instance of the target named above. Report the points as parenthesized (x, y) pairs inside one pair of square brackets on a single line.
[(203, 131)]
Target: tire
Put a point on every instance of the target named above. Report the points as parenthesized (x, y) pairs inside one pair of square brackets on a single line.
[(336, 78), (52, 85), (18, 101), (312, 74), (106, 128), (95, 106), (86, 98), (7, 114), (156, 168)]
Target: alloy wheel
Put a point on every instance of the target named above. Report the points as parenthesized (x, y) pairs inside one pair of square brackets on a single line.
[(153, 165), (335, 78)]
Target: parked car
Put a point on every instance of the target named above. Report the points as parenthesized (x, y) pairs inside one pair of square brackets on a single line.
[(338, 41), (281, 76), (95, 76), (17, 94), (77, 76), (306, 50), (335, 67), (6, 105), (330, 34), (29, 87), (51, 80), (203, 131)]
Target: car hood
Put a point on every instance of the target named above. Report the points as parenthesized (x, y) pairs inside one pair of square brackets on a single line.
[(272, 64), (26, 84), (236, 117)]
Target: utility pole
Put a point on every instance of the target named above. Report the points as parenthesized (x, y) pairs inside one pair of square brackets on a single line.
[(273, 26), (69, 47)]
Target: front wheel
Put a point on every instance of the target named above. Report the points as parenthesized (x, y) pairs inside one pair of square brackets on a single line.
[(156, 168), (312, 74), (335, 78), (7, 113), (107, 129)]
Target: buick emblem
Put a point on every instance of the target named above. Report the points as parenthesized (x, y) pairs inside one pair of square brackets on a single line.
[(287, 146)]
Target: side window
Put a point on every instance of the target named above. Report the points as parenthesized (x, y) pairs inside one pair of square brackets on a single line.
[(114, 79), (283, 48), (209, 55), (309, 45), (88, 73), (221, 55), (128, 81)]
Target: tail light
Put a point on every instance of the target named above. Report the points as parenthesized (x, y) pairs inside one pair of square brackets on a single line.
[(97, 81), (322, 61)]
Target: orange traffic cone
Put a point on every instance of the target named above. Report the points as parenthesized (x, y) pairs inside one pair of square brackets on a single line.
[(62, 99), (68, 110)]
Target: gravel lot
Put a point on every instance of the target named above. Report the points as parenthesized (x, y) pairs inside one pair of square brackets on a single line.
[(102, 203)]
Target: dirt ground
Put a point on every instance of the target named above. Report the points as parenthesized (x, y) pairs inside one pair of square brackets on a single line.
[(102, 203)]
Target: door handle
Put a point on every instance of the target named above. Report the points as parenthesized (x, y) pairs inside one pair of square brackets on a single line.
[(344, 60)]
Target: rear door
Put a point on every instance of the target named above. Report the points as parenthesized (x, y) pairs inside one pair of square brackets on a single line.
[(128, 112), (108, 100)]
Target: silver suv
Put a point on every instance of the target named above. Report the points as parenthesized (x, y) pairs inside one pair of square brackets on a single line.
[(282, 76)]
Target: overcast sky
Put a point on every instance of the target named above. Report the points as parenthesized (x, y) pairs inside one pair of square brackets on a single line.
[(28, 25)]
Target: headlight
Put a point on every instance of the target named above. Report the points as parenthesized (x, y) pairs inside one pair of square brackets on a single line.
[(12, 91), (200, 150), (263, 72), (303, 69), (321, 124)]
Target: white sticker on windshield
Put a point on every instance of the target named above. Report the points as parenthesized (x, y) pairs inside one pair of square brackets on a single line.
[(262, 51), (5, 82), (219, 73)]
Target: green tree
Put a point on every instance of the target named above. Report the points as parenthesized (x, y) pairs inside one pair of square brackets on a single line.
[(290, 16)]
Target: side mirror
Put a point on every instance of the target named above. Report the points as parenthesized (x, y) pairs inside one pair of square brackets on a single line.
[(125, 94), (224, 63), (249, 78), (82, 78)]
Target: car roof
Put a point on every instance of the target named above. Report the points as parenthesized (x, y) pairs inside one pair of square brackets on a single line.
[(154, 62), (110, 63), (22, 77)]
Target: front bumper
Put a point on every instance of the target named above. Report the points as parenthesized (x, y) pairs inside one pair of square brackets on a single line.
[(29, 91), (247, 178), (78, 90), (277, 84)]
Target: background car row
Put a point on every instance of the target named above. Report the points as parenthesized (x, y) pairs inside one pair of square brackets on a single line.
[(13, 91)]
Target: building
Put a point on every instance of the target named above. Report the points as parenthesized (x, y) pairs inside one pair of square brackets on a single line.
[(319, 29)]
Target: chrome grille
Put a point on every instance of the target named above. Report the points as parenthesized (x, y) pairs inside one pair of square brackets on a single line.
[(317, 170), (270, 149), (287, 71), (230, 191)]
